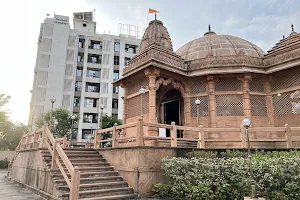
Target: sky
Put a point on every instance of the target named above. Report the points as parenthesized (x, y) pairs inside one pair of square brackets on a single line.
[(262, 22)]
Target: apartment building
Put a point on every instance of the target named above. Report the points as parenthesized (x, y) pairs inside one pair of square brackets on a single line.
[(76, 68)]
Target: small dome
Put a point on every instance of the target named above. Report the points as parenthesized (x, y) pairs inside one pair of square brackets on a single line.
[(212, 44), (156, 33)]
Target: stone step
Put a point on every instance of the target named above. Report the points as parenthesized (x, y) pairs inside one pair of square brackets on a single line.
[(95, 164), (114, 197), (84, 169), (103, 179), (75, 159), (94, 186), (88, 164), (100, 193), (88, 174), (77, 156), (78, 149)]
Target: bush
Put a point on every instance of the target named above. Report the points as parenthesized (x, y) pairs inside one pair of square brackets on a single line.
[(277, 176), (4, 164)]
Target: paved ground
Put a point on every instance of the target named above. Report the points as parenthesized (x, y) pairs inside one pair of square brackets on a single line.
[(12, 191)]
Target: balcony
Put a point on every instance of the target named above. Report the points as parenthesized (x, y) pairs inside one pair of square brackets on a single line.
[(92, 94), (86, 125), (95, 51), (91, 110), (76, 109)]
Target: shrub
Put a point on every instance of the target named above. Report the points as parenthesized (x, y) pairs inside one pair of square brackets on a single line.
[(4, 163), (277, 176)]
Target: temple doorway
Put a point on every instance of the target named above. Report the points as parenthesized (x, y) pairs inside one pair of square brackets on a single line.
[(171, 110)]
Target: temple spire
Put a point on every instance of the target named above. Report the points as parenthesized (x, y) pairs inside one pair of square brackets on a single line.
[(292, 27), (209, 28)]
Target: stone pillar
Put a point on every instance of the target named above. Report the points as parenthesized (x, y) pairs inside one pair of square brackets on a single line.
[(125, 112), (152, 98), (269, 101), (152, 73), (246, 96), (212, 102), (187, 115)]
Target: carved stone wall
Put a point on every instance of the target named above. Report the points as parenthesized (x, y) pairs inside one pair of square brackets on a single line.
[(134, 105), (135, 85)]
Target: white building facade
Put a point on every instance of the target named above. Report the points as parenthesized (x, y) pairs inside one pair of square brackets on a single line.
[(76, 67)]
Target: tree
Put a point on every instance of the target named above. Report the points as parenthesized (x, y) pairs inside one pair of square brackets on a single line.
[(108, 122), (11, 138), (62, 116), (10, 133), (4, 99)]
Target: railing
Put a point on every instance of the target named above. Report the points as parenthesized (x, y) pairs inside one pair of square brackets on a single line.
[(201, 136), (43, 138)]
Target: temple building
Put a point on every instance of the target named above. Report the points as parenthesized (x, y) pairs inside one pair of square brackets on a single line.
[(232, 77)]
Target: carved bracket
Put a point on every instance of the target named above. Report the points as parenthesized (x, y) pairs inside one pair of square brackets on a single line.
[(165, 82)]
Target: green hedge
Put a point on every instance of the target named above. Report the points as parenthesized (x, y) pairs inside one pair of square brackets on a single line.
[(4, 164), (277, 175)]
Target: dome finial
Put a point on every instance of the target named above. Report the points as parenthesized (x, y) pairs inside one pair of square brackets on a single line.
[(209, 28), (292, 27)]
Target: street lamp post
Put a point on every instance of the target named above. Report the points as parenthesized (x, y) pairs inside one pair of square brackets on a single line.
[(91, 136), (197, 102), (101, 115), (55, 125), (142, 92), (246, 123), (52, 103), (72, 127)]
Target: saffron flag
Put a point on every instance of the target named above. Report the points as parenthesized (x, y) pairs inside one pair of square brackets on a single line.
[(153, 11)]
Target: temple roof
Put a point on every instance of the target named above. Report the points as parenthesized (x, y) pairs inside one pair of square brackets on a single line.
[(212, 44), (156, 33), (286, 44)]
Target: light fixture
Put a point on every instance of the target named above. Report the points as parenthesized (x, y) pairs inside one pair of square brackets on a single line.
[(197, 102), (142, 91), (246, 123)]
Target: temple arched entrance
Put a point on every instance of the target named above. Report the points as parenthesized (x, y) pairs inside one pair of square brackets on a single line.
[(170, 105)]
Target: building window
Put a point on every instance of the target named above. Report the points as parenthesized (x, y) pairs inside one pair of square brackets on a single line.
[(79, 72), (80, 57), (93, 44), (81, 43), (94, 58), (129, 48), (116, 75), (76, 102), (92, 87), (117, 46), (116, 90), (127, 61), (91, 102), (93, 73), (116, 60), (84, 25), (78, 85), (90, 118), (115, 103), (86, 133)]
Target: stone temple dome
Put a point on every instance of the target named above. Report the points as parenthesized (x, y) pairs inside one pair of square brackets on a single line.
[(212, 44), (156, 33)]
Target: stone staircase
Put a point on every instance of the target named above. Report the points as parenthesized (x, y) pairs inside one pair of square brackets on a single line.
[(98, 180)]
